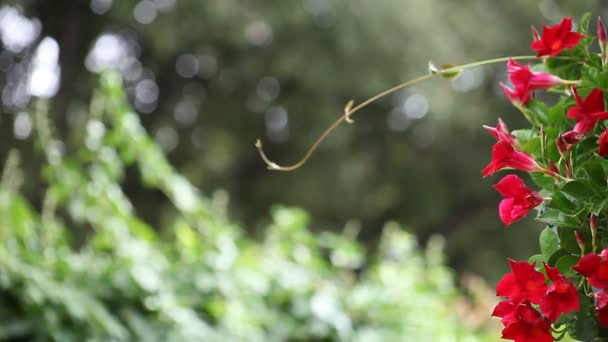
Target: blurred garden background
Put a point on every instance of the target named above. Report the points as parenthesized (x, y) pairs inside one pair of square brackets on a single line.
[(134, 206)]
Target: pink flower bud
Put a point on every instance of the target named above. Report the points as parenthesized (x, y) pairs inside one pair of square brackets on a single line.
[(535, 34), (580, 240), (593, 224), (601, 32), (562, 146), (553, 167)]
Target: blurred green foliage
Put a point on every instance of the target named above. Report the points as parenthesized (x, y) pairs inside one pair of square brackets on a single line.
[(82, 265), (227, 72)]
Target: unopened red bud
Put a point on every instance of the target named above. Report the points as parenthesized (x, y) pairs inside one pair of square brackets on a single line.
[(535, 34), (572, 137), (603, 143), (580, 240), (562, 145), (553, 167), (602, 40), (593, 224), (601, 31)]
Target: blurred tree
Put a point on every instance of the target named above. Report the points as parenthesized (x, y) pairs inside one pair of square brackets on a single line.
[(212, 76), (202, 279)]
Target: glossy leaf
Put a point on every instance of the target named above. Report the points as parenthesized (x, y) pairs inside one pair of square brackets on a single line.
[(549, 242), (567, 240), (557, 218), (564, 264)]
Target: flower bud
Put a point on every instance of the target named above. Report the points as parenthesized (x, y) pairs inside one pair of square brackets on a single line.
[(535, 34), (562, 145), (580, 240), (553, 167), (602, 39), (572, 137), (593, 224), (601, 32)]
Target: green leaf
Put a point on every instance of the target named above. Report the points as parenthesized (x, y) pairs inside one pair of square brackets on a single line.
[(595, 170), (557, 117), (564, 68), (557, 218), (560, 202), (599, 206), (552, 260), (549, 242), (594, 77), (583, 25), (567, 240), (564, 265), (578, 191), (542, 180), (538, 110), (538, 259)]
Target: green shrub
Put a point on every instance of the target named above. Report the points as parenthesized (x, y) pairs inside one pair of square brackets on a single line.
[(82, 265)]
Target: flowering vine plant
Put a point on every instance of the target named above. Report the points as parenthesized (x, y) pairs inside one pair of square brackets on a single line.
[(564, 288)]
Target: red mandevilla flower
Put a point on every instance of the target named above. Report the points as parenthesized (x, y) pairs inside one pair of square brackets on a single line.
[(518, 200), (506, 311), (595, 268), (526, 324), (561, 296), (500, 132), (601, 307), (523, 283), (603, 143), (556, 38), (587, 112), (525, 80), (505, 155)]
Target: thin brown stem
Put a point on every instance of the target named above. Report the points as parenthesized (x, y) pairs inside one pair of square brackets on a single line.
[(349, 110)]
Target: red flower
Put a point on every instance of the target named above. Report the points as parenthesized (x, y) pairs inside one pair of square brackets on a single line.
[(601, 307), (525, 80), (506, 311), (556, 38), (505, 155), (587, 112), (603, 143), (500, 132), (527, 325), (595, 268), (523, 283), (561, 296), (518, 199)]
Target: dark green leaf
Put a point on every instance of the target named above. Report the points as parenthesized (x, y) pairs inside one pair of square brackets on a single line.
[(594, 77), (595, 171), (557, 218), (584, 326), (566, 69), (567, 240), (578, 191), (552, 260), (560, 202), (538, 111), (564, 264)]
